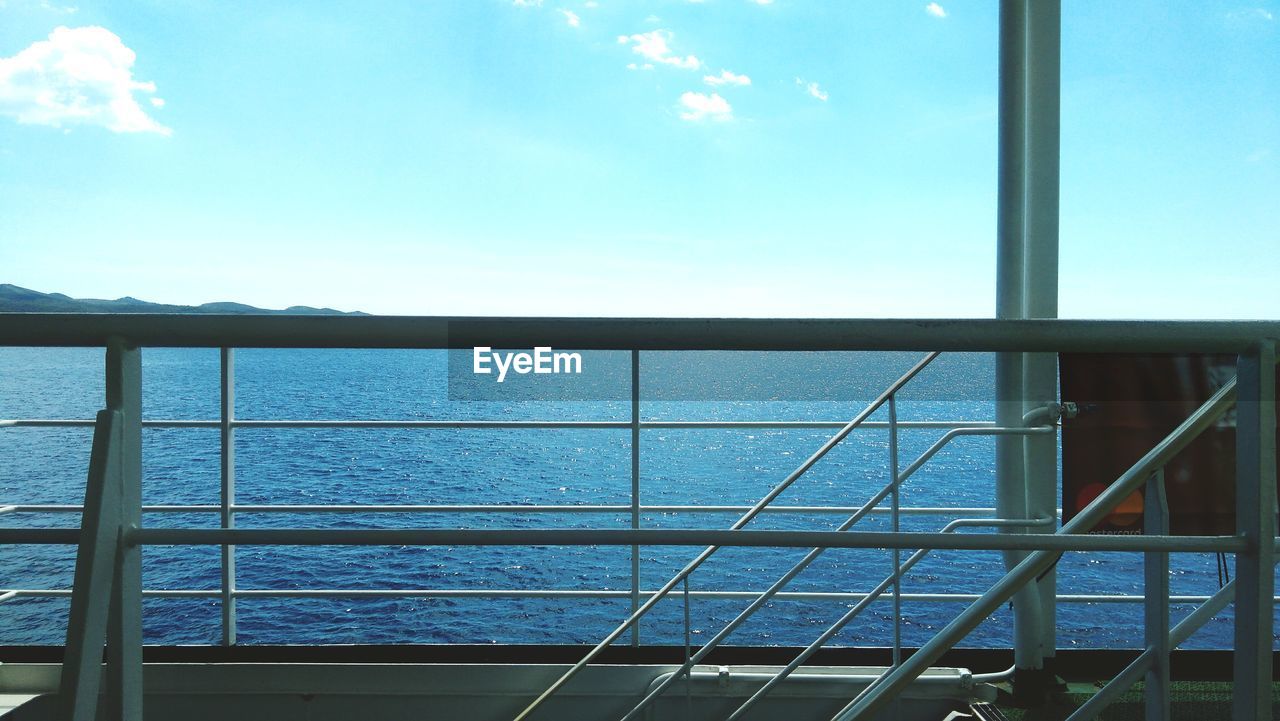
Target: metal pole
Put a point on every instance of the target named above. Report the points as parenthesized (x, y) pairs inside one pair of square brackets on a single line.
[(896, 509), (1256, 521), (1011, 497), (227, 496), (1043, 71), (95, 561), (1155, 521), (124, 625), (635, 492)]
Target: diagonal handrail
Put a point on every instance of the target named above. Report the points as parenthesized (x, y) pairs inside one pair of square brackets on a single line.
[(868, 599), (813, 554), (894, 680), (746, 518)]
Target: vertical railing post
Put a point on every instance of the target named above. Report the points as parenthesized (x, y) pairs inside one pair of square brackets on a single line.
[(227, 491), (1011, 263), (124, 625), (896, 513), (896, 526), (1040, 285), (1256, 521), (635, 491), (1155, 522)]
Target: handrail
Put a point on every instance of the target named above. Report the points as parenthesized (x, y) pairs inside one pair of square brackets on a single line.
[(813, 555), (491, 424), (745, 519), (9, 594), (871, 596), (286, 331), (630, 537), (893, 681), (517, 508), (657, 690)]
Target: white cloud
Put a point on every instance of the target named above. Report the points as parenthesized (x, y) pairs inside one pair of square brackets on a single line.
[(762, 2), (935, 10), (572, 18), (638, 66), (697, 106), (813, 89), (591, 4), (653, 46), (79, 76), (158, 102), (527, 3), (58, 9), (726, 78)]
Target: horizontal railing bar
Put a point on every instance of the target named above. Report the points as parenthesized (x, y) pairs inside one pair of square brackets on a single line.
[(503, 508), (482, 424), (839, 596), (642, 537), (264, 331)]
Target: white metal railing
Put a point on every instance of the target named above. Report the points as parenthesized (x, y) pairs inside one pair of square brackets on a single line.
[(107, 610)]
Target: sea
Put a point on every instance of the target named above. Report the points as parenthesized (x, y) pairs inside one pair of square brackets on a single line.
[(575, 466)]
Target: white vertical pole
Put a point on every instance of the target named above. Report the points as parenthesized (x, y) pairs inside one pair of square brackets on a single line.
[(227, 492), (1011, 498), (124, 626), (1040, 278), (1256, 521), (896, 510), (1155, 521), (635, 492)]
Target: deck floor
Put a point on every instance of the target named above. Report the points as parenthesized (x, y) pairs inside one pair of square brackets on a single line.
[(1189, 701)]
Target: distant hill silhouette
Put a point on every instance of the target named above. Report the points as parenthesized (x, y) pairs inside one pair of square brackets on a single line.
[(15, 299)]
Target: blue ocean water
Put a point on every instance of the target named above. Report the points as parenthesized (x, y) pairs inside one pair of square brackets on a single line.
[(527, 466)]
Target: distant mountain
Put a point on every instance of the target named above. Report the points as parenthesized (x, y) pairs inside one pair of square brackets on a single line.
[(14, 299)]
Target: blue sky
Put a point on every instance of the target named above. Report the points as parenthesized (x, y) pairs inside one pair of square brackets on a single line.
[(609, 158)]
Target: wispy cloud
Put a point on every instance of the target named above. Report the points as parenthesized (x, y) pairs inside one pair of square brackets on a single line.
[(935, 10), (813, 89), (654, 47), (58, 9), (571, 18), (726, 78), (762, 2), (527, 3), (591, 4), (699, 106), (1261, 13), (79, 76), (639, 66)]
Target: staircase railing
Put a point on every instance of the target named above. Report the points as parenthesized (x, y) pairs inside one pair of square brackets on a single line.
[(1256, 436), (746, 518)]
